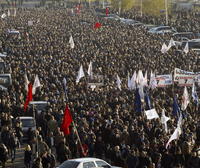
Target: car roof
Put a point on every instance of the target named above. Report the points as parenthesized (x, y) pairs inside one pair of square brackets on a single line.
[(25, 117), (85, 159), (182, 33)]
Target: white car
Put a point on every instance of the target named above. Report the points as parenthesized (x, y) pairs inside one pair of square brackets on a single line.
[(162, 30), (86, 163)]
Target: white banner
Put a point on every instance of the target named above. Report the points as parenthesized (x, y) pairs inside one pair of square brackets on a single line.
[(164, 80), (184, 78)]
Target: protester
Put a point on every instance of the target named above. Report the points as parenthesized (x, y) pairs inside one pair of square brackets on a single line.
[(27, 156)]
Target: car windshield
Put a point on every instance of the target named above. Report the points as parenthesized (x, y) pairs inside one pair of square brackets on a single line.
[(69, 164), (27, 123)]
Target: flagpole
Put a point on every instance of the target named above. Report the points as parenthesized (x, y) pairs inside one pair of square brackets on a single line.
[(76, 131)]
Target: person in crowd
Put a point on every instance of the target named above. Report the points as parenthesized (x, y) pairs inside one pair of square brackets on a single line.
[(27, 156), (3, 155)]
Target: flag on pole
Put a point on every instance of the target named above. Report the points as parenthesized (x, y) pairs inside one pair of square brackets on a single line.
[(153, 81), (186, 49), (140, 78), (164, 48), (26, 82), (151, 114), (185, 99), (29, 97), (164, 120), (174, 136), (180, 121), (36, 84), (176, 109), (137, 102), (67, 120), (90, 69), (80, 74), (71, 42), (194, 95), (131, 82), (97, 25), (119, 83), (171, 43), (145, 80), (141, 91)]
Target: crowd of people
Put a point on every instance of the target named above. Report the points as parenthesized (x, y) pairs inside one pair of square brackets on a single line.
[(105, 117)]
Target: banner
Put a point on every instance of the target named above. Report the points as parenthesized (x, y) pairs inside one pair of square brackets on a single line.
[(95, 81), (184, 78), (164, 80)]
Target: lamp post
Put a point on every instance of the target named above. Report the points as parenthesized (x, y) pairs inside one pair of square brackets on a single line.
[(166, 11), (141, 12)]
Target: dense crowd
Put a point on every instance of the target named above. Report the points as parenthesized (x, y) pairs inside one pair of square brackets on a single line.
[(106, 120)]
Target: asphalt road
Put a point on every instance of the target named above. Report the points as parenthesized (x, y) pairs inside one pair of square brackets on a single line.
[(19, 160)]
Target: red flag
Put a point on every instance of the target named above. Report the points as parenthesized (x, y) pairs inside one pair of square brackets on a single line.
[(107, 11), (66, 121), (97, 25), (29, 96)]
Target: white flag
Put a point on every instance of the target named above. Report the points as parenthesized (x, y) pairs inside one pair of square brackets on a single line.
[(141, 91), (26, 82), (164, 120), (140, 78), (119, 83), (185, 99), (186, 49), (36, 84), (80, 74), (133, 81), (15, 12), (153, 81), (3, 15), (171, 43), (8, 12), (90, 69), (164, 48), (151, 114), (145, 81), (174, 136), (180, 121), (71, 42)]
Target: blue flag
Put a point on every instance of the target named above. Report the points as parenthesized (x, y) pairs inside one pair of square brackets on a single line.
[(138, 104), (176, 109), (147, 100)]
